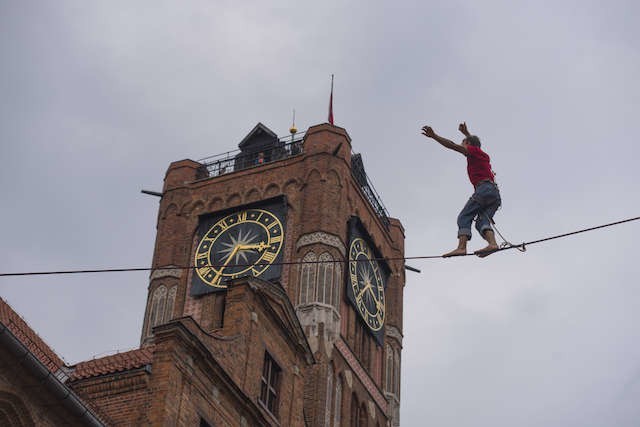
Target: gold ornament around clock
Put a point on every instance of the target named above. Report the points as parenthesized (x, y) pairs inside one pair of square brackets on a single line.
[(367, 284), (243, 243)]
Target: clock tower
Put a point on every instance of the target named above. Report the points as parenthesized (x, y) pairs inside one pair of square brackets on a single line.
[(296, 221)]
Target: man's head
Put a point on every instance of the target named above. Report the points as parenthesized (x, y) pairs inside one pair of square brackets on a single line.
[(471, 140)]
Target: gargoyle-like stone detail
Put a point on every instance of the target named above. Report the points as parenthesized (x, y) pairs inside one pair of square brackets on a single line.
[(393, 332), (321, 237)]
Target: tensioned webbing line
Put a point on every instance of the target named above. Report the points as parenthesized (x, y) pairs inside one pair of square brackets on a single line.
[(521, 247)]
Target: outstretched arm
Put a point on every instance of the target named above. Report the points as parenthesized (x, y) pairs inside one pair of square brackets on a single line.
[(462, 127), (429, 133)]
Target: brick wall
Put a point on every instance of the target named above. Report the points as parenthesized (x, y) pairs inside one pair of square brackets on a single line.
[(123, 397), (321, 196)]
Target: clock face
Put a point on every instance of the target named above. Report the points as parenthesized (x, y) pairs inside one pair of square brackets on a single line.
[(242, 243), (367, 284)]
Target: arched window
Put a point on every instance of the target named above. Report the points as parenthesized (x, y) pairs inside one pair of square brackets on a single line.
[(325, 279), (158, 303), (362, 419), (162, 303), (171, 301), (337, 287), (329, 401), (308, 278), (320, 279), (355, 411), (337, 407), (388, 369)]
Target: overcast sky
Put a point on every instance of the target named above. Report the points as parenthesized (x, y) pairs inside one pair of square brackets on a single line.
[(99, 98)]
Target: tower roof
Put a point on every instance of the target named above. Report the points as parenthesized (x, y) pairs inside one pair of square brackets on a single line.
[(259, 136)]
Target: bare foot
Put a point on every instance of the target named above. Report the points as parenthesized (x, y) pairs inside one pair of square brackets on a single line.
[(486, 251), (456, 252)]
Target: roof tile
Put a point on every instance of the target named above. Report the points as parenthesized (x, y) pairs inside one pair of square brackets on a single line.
[(111, 364), (29, 338)]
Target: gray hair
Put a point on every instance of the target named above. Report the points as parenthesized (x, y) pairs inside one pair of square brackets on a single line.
[(473, 140)]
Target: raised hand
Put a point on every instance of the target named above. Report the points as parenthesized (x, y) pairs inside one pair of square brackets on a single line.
[(428, 131), (462, 127)]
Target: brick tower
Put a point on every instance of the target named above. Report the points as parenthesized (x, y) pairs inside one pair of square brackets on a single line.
[(290, 297)]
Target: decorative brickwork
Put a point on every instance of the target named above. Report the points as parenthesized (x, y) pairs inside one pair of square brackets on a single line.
[(321, 237), (368, 383), (166, 272)]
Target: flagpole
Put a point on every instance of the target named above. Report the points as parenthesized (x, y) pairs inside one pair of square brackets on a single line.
[(331, 103)]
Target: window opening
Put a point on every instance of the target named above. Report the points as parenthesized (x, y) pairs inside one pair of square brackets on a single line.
[(270, 384)]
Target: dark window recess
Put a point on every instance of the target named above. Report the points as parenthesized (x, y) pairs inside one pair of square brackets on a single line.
[(270, 383), (355, 413)]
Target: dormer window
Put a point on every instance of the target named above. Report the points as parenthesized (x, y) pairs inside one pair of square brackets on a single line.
[(260, 146)]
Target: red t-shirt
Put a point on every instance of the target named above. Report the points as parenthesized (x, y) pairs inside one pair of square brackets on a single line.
[(478, 165)]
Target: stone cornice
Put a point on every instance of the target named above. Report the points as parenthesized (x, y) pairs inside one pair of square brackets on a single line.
[(321, 237), (168, 271)]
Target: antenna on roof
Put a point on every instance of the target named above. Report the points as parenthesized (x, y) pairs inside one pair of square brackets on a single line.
[(293, 129)]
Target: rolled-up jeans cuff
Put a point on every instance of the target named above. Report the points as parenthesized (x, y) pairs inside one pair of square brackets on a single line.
[(484, 228), (465, 232)]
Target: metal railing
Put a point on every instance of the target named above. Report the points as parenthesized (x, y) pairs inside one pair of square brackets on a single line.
[(288, 146), (357, 170), (237, 160)]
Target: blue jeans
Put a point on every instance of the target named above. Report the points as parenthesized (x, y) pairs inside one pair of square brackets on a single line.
[(482, 205)]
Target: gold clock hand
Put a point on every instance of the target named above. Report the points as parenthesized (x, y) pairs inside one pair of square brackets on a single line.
[(372, 294), (219, 273), (367, 286), (259, 246)]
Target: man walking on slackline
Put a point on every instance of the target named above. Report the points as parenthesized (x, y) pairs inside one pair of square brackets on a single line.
[(485, 200)]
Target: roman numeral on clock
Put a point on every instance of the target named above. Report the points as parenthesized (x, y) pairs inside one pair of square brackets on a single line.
[(269, 256), (276, 239), (203, 271)]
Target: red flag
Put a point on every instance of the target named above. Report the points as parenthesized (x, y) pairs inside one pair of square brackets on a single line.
[(331, 103)]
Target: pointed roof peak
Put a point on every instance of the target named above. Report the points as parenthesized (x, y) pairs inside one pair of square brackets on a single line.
[(259, 135)]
